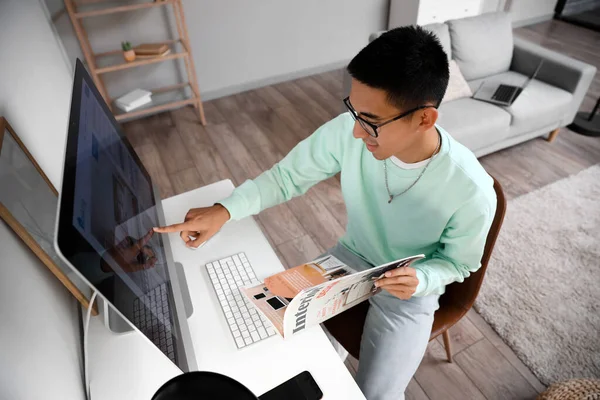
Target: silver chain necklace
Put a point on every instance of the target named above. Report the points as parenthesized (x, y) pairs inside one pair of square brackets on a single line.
[(387, 185)]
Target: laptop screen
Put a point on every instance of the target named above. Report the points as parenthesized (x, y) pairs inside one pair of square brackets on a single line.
[(109, 210)]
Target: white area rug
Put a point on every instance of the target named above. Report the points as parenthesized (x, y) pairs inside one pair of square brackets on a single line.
[(541, 292)]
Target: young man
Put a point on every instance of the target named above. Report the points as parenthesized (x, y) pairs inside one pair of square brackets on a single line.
[(409, 188)]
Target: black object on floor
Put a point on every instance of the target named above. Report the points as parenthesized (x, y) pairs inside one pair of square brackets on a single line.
[(584, 13), (587, 124), (203, 385), (588, 19)]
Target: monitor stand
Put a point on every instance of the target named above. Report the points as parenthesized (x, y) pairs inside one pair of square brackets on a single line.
[(116, 324)]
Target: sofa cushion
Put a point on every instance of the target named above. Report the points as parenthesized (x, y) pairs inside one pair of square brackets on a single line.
[(457, 85), (538, 106), (441, 31), (474, 123), (482, 45)]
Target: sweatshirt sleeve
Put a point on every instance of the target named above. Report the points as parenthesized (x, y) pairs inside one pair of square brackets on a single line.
[(461, 247), (314, 159)]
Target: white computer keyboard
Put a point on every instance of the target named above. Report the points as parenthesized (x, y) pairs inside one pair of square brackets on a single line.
[(227, 276)]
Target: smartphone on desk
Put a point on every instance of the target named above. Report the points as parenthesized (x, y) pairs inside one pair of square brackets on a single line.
[(300, 387)]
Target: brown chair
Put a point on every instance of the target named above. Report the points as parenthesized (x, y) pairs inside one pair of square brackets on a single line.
[(347, 327)]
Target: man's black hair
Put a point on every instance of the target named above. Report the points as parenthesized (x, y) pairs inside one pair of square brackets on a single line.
[(409, 63)]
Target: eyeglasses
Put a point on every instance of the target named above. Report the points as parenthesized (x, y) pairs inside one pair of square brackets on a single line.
[(371, 128)]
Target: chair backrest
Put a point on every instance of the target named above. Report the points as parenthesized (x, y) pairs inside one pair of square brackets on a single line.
[(463, 294)]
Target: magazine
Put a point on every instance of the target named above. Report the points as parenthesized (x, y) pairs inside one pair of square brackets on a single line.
[(311, 293)]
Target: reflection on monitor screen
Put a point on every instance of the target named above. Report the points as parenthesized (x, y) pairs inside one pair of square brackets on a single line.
[(114, 210)]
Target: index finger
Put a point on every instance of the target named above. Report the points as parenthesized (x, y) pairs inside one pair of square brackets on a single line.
[(171, 228)]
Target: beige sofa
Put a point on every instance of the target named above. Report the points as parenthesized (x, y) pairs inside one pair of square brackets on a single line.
[(485, 50)]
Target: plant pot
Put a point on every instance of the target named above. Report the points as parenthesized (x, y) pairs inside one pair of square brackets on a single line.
[(129, 55)]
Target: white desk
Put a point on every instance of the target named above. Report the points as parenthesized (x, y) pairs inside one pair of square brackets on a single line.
[(127, 366)]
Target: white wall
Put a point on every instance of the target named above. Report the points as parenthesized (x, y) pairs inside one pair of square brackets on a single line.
[(525, 12), (35, 82), (492, 5), (237, 44), (40, 351), (522, 12)]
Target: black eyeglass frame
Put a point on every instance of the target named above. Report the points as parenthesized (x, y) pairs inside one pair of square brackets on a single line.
[(373, 126)]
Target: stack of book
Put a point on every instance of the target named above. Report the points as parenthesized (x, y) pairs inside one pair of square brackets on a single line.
[(151, 50), (134, 99)]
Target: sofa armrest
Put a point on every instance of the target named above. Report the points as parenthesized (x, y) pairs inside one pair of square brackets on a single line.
[(558, 70)]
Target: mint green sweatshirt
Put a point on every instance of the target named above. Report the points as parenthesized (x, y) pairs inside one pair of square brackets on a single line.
[(445, 216)]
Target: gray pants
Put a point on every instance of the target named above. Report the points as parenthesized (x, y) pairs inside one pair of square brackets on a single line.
[(394, 340)]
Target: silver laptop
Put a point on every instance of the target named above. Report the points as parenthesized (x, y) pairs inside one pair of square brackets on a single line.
[(502, 94)]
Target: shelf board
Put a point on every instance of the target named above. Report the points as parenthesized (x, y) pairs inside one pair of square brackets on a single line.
[(98, 56), (163, 99), (115, 61), (119, 9)]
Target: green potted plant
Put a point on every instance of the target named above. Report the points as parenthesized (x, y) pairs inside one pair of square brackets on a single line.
[(128, 52)]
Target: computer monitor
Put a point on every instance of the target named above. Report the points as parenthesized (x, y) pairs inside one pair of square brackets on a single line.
[(108, 206)]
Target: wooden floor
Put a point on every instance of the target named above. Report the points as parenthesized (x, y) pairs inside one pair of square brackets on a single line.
[(248, 132)]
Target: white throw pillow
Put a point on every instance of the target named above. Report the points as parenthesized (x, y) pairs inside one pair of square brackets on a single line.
[(457, 85)]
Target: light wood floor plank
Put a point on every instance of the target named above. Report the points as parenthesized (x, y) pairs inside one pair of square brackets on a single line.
[(565, 33), (174, 155), (212, 114), (462, 335), (202, 150), (255, 140), (271, 97), (282, 258), (317, 220), (304, 103), (493, 374), (235, 155), (506, 351), (414, 391), (250, 101), (299, 123), (264, 231), (151, 159), (300, 250), (278, 132), (442, 380), (227, 106), (281, 224), (557, 45), (137, 133), (332, 82), (330, 103), (330, 194), (186, 180)]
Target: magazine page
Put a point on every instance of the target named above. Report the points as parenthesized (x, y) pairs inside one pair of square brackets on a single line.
[(289, 283), (319, 303), (272, 297), (266, 303)]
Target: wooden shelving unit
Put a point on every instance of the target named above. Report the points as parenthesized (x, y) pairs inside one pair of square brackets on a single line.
[(107, 62)]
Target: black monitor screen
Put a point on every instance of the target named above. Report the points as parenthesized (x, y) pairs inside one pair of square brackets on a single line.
[(109, 201)]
